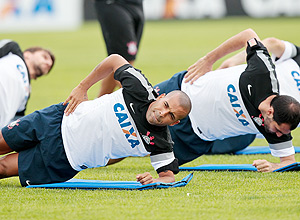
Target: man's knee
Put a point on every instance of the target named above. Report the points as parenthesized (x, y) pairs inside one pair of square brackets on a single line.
[(232, 144), (174, 83), (185, 154)]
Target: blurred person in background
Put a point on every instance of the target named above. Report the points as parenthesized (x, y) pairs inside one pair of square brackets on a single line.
[(17, 68), (122, 23)]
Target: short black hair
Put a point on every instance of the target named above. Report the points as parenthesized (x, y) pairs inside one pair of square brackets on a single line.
[(286, 110)]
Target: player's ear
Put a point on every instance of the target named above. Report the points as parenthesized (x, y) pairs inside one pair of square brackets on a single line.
[(175, 123), (270, 112), (27, 55)]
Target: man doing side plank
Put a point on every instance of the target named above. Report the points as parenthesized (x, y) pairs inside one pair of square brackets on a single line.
[(53, 147), (232, 102)]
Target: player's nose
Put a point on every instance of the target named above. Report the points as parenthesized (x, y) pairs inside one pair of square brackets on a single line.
[(163, 112)]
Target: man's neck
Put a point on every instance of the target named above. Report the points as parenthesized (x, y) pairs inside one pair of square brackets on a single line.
[(27, 58), (29, 66)]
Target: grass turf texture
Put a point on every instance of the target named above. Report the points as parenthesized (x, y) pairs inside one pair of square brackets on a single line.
[(166, 48)]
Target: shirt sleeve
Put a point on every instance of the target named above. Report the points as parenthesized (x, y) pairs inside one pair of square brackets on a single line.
[(260, 74), (165, 161), (297, 56), (283, 149), (134, 82), (290, 51)]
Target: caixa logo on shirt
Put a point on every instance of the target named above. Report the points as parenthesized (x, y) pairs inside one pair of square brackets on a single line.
[(296, 77), (126, 125), (21, 70), (231, 92)]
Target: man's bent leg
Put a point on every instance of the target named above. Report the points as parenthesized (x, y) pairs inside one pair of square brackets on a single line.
[(187, 145), (4, 148), (174, 83), (9, 165), (232, 144)]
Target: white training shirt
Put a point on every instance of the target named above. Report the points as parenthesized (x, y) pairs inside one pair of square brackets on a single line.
[(115, 126), (288, 72), (208, 95), (14, 87), (97, 120), (229, 118)]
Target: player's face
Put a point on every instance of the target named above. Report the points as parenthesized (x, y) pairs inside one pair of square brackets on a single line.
[(272, 127), (42, 63), (165, 111)]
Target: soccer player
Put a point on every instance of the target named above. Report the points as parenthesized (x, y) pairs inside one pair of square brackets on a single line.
[(235, 101), (286, 57), (122, 23), (53, 147), (17, 68)]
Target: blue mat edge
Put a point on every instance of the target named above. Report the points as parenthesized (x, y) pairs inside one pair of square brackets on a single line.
[(135, 185), (259, 150), (237, 167), (220, 167)]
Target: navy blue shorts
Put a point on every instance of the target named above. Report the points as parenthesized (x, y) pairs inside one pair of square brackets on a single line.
[(232, 144), (187, 145), (37, 138)]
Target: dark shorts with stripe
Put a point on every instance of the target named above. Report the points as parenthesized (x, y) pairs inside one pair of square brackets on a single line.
[(122, 26), (37, 138), (187, 145)]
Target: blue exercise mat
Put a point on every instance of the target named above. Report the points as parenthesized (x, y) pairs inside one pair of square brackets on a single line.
[(113, 185), (237, 167), (259, 150)]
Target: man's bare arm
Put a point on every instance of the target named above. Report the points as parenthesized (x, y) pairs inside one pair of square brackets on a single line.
[(165, 177), (266, 166), (273, 45), (204, 64), (79, 93)]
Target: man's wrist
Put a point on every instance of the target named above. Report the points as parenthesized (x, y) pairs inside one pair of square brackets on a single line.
[(210, 58)]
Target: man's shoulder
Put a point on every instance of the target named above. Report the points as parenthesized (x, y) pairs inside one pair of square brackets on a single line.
[(135, 85), (297, 57), (8, 46)]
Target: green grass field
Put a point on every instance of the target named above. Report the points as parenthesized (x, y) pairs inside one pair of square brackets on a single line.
[(166, 48)]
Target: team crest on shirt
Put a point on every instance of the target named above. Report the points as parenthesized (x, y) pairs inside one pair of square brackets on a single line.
[(147, 138), (13, 124), (132, 48), (125, 124), (231, 92), (258, 121)]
